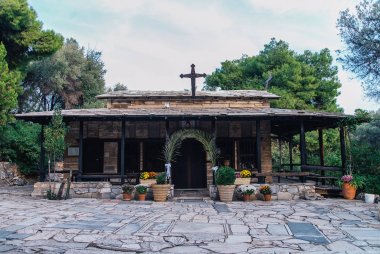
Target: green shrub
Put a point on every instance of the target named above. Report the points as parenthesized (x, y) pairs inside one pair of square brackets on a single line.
[(51, 195), (372, 184), (225, 176), (141, 189), (20, 144), (161, 178), (127, 189)]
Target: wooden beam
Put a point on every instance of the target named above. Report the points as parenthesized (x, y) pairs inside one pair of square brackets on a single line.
[(141, 156), (317, 167), (291, 153), (302, 144), (280, 147), (236, 156), (213, 128), (343, 150), (42, 154), (122, 151), (258, 146), (321, 153), (166, 129), (80, 169)]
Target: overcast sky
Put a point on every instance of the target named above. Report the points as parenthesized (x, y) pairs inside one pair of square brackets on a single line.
[(146, 44)]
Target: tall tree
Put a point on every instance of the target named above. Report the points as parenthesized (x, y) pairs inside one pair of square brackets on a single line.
[(22, 34), (360, 33), (304, 81), (69, 78), (92, 77), (9, 88), (117, 87)]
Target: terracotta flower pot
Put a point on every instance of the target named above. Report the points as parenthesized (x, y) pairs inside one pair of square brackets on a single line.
[(267, 197), (246, 197), (348, 191), (160, 192), (141, 197), (127, 196), (226, 192)]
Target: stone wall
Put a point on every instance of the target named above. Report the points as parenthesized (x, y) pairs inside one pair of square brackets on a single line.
[(280, 191), (187, 104), (290, 191), (10, 175), (77, 189)]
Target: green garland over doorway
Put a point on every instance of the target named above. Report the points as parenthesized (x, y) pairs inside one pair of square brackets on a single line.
[(173, 143)]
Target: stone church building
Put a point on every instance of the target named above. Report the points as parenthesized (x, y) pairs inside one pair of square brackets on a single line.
[(118, 142)]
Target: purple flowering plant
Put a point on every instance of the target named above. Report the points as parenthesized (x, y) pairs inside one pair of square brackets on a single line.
[(347, 178)]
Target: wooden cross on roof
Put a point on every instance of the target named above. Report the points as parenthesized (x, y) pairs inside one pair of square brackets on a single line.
[(192, 75)]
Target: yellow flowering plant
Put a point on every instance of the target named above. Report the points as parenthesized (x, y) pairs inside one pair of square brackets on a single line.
[(148, 175), (265, 189), (245, 173), (144, 175)]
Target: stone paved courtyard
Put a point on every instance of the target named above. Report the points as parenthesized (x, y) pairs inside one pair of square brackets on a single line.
[(112, 226)]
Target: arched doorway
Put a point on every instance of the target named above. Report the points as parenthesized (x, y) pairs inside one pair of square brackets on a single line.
[(194, 154), (189, 168)]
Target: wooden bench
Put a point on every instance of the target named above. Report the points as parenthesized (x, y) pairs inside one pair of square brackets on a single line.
[(301, 175), (322, 179)]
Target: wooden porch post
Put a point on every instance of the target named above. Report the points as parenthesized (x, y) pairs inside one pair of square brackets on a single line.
[(122, 151), (321, 153), (280, 146), (291, 153), (302, 145), (343, 150), (42, 155), (80, 170), (258, 150), (166, 130), (213, 129)]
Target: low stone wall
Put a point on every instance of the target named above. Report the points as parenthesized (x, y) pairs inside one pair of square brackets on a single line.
[(280, 191), (292, 191), (77, 189)]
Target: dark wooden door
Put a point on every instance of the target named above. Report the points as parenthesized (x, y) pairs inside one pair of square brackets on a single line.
[(93, 151), (189, 170)]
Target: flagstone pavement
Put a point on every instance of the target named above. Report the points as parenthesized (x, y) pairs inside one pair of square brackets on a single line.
[(112, 226)]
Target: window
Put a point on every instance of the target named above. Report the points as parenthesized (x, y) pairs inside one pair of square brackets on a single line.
[(132, 156), (247, 153), (153, 158), (226, 155)]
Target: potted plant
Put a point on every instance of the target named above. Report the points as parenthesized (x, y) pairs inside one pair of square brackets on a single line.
[(160, 188), (350, 184), (244, 177), (148, 178), (141, 191), (369, 197), (225, 179), (246, 191), (267, 192), (127, 192)]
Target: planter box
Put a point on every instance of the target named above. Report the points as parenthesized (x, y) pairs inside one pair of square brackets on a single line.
[(148, 182), (243, 181), (226, 192), (160, 192)]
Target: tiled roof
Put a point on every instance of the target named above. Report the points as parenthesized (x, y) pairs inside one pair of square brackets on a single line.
[(175, 112)]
